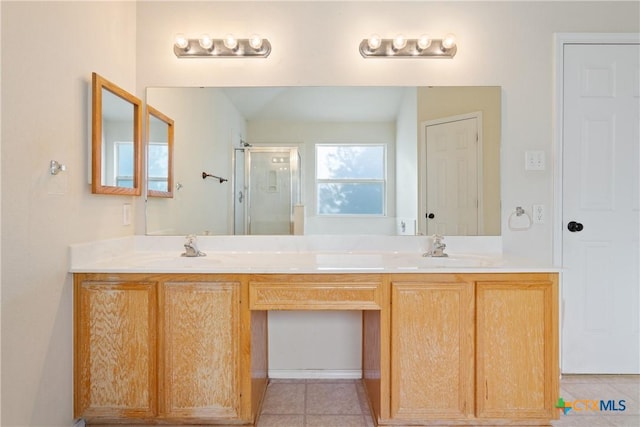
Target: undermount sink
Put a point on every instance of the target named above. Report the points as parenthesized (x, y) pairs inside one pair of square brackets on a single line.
[(350, 261), (459, 260), (175, 260)]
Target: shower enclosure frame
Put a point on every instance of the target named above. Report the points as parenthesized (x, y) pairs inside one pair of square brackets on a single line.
[(242, 181)]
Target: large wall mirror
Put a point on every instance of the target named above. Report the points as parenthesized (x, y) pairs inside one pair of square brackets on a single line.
[(116, 133), (159, 154), (371, 135)]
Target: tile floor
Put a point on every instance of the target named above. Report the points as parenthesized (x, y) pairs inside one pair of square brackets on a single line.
[(342, 403), (315, 403), (601, 387)]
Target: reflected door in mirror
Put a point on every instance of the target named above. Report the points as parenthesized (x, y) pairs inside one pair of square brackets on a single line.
[(452, 146)]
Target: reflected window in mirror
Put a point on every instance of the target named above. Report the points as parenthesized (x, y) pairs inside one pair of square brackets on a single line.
[(160, 131), (350, 179), (116, 139), (123, 164)]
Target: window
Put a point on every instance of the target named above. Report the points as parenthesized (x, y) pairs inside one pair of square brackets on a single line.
[(350, 179), (124, 164), (158, 166)]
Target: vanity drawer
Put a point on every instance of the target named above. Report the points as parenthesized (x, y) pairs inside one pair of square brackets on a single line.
[(339, 292)]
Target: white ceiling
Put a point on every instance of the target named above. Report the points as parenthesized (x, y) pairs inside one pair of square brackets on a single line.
[(326, 104)]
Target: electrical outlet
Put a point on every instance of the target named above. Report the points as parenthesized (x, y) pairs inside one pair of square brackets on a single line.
[(126, 214), (538, 214), (534, 161)]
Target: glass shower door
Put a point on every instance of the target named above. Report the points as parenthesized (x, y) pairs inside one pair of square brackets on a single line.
[(273, 189)]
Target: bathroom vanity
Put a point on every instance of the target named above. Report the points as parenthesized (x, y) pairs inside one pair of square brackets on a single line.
[(171, 340)]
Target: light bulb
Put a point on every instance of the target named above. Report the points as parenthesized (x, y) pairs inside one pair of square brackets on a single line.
[(423, 42), (399, 42), (374, 42), (448, 41), (206, 42), (181, 41), (230, 42), (255, 41)]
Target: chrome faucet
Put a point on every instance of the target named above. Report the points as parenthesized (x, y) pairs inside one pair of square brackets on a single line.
[(437, 247), (191, 247)]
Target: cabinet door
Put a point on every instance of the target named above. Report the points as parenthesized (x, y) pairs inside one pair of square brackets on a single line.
[(199, 334), (517, 360), (431, 350), (115, 349)]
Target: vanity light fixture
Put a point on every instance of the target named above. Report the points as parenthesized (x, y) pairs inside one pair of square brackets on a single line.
[(255, 41), (230, 42), (206, 42), (401, 47), (182, 42), (228, 47), (399, 43), (423, 42), (374, 42)]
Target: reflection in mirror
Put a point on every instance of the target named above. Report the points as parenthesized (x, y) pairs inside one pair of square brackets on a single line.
[(159, 154), (115, 139), (220, 125), (459, 160)]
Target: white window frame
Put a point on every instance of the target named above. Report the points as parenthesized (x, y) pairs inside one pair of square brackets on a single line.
[(150, 178), (116, 161), (383, 181)]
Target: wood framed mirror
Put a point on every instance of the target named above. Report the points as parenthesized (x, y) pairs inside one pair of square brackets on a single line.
[(116, 139), (159, 154)]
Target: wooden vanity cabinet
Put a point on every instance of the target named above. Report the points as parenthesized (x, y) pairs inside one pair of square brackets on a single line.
[(517, 369), (198, 347), (158, 348), (479, 348), (441, 349), (115, 348), (432, 348)]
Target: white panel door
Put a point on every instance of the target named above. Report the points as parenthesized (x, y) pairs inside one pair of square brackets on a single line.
[(452, 177), (601, 327)]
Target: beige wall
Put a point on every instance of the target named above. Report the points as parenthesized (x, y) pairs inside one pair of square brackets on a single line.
[(438, 102), (48, 53), (507, 44), (44, 117)]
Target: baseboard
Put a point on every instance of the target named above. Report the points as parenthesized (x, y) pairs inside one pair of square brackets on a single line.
[(347, 374)]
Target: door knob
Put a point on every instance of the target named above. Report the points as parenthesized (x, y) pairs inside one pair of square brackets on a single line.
[(431, 216), (574, 226)]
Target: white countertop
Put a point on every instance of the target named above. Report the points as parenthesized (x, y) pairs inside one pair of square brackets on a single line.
[(296, 254)]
